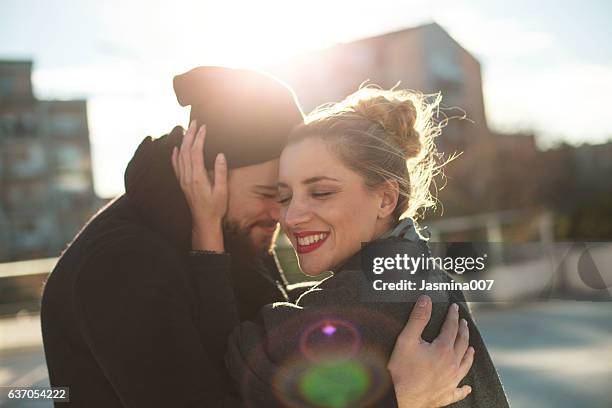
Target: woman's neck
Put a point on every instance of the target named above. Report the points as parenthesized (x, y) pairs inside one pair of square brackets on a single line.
[(382, 227), (379, 231)]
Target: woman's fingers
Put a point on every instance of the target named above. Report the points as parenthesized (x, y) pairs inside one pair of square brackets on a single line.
[(448, 333), (190, 134), (185, 155), (462, 340), (198, 167), (220, 187), (175, 164)]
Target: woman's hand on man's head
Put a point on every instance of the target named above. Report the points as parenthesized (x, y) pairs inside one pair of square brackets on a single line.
[(207, 199), (426, 374)]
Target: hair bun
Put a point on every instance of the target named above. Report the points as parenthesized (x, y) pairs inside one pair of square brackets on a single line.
[(397, 117), (383, 135)]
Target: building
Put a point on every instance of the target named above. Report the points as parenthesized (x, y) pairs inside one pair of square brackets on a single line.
[(424, 58), (46, 181)]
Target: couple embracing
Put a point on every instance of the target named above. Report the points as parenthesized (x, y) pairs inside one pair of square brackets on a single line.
[(172, 295)]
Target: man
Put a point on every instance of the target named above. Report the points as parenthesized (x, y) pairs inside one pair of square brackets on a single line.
[(123, 321), (120, 314)]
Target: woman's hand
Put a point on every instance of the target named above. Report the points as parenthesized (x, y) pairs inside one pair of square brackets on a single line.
[(426, 374), (207, 200)]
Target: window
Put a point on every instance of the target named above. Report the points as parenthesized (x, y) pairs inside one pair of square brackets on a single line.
[(26, 194), (69, 157), (7, 88), (27, 160), (68, 124), (72, 183)]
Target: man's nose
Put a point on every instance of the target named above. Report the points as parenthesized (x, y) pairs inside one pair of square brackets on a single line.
[(274, 211)]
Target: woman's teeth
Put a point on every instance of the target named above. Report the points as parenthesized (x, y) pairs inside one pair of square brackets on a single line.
[(311, 239)]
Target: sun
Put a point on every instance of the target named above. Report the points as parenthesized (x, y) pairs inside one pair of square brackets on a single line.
[(231, 33)]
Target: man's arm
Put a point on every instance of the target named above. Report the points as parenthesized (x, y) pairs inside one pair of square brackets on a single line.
[(218, 314), (135, 317)]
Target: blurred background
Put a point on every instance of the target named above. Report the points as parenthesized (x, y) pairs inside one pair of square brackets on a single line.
[(528, 83)]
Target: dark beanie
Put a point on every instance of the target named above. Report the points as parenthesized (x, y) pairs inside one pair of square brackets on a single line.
[(248, 114)]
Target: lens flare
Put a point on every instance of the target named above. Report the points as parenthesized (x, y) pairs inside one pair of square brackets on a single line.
[(335, 385), (340, 361), (357, 382), (329, 329), (330, 340)]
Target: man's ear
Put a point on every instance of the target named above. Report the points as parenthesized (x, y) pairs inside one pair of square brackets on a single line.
[(389, 194)]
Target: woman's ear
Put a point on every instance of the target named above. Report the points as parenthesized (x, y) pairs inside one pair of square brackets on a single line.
[(389, 194)]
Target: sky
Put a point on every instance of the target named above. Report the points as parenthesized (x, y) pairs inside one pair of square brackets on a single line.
[(546, 64)]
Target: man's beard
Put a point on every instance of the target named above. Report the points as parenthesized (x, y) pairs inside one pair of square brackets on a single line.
[(238, 240)]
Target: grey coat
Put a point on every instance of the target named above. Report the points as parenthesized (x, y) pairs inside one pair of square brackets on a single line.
[(332, 347)]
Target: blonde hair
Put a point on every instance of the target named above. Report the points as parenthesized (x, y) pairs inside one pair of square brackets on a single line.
[(384, 135)]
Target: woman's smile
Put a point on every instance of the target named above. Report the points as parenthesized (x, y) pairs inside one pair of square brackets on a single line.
[(308, 241)]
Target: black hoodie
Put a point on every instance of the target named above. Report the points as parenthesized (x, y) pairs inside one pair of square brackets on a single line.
[(123, 321)]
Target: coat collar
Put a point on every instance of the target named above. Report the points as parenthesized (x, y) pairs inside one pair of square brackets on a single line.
[(406, 229)]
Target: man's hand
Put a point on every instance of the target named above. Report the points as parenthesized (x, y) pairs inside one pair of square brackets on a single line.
[(426, 374), (207, 200)]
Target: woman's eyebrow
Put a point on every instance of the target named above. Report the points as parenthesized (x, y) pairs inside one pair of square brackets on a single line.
[(318, 178), (309, 181)]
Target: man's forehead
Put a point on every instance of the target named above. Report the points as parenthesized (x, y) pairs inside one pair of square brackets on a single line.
[(261, 176)]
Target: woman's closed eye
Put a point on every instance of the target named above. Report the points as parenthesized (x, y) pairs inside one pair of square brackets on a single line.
[(319, 195), (322, 194)]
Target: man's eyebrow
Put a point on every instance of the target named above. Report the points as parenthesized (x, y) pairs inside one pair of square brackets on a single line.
[(310, 181)]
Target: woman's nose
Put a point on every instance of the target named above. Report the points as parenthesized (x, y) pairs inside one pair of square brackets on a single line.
[(295, 214)]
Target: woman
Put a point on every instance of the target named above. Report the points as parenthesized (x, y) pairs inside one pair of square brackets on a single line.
[(346, 177)]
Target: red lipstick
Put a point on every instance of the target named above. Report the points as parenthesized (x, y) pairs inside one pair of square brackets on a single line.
[(304, 248)]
